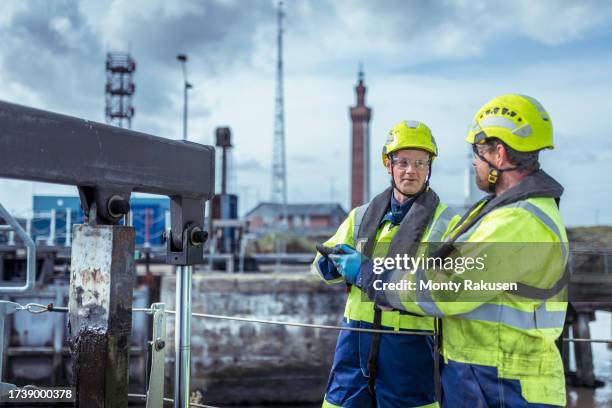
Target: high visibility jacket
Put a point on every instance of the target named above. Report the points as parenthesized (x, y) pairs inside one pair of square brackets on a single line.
[(513, 331), (357, 305)]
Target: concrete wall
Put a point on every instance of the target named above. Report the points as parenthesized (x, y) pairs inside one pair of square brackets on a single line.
[(251, 363)]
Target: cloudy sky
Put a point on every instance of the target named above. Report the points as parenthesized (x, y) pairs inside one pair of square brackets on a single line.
[(432, 61)]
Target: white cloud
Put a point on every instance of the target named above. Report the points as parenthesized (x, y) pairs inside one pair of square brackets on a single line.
[(410, 33), (232, 61)]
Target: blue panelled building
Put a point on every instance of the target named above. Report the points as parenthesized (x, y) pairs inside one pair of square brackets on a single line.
[(148, 218)]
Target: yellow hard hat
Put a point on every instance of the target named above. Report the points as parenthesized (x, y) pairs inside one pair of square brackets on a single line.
[(519, 121), (410, 134)]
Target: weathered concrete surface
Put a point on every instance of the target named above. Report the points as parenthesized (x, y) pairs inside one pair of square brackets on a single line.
[(252, 363), (100, 313)]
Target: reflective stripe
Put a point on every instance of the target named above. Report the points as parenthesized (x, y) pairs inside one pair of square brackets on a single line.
[(546, 220), (532, 209), (475, 127), (359, 213), (437, 230), (467, 234), (423, 297), (440, 225), (497, 121), (392, 297), (524, 290), (523, 131), (539, 319), (532, 292), (538, 106)]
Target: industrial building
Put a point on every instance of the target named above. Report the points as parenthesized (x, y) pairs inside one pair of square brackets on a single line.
[(302, 219), (53, 217)]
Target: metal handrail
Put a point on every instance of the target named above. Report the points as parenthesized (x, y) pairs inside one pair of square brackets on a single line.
[(30, 255)]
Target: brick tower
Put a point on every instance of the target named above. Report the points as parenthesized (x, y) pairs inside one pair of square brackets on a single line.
[(360, 147)]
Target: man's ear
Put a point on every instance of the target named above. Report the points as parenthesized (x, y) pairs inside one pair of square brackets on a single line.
[(502, 155)]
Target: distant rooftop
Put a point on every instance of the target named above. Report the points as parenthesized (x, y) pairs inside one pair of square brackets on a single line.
[(310, 209)]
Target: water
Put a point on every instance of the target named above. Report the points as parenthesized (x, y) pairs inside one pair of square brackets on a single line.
[(601, 328)]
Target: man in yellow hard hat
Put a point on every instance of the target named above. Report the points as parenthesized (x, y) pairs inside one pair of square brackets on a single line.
[(498, 344), (388, 370)]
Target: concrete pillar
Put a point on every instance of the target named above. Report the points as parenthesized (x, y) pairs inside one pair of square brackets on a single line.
[(100, 311)]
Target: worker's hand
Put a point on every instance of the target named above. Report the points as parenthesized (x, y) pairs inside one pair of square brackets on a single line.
[(347, 261)]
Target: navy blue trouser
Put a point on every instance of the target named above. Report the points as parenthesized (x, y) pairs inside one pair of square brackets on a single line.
[(405, 371), (478, 386)]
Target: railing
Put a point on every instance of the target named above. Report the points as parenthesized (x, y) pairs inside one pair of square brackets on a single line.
[(30, 254), (155, 390), (602, 261)]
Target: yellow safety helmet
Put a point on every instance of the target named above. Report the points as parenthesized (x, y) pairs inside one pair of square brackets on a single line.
[(410, 134), (519, 121)]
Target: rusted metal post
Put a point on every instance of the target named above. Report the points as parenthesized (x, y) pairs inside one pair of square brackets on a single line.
[(100, 303)]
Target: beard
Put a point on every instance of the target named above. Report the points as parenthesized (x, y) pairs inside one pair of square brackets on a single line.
[(482, 182)]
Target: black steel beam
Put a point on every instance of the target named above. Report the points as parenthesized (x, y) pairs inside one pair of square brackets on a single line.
[(44, 146), (107, 164)]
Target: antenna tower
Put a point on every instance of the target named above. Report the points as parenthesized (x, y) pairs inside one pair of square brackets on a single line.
[(120, 88), (279, 166)]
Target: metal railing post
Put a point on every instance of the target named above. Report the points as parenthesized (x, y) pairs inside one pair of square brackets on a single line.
[(6, 308), (182, 337), (68, 240), (52, 219), (155, 391)]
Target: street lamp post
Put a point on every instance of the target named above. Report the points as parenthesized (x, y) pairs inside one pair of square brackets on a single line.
[(182, 325), (182, 58)]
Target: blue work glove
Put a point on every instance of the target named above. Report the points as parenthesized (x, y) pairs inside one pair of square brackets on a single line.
[(347, 263)]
